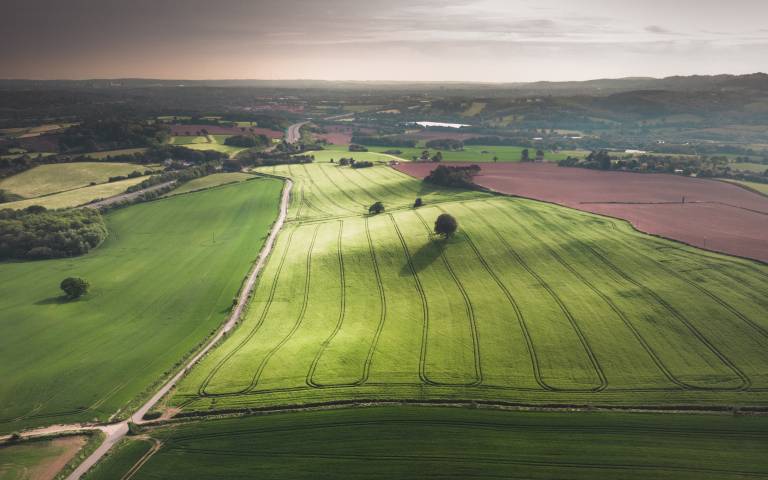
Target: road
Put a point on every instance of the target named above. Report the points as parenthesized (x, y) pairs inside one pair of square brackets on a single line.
[(293, 134), (116, 431), (126, 196)]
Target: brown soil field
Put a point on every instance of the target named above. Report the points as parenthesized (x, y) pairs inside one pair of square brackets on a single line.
[(41, 143), (716, 215), (221, 130), (337, 134)]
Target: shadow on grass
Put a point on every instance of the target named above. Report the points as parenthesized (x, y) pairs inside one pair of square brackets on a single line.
[(60, 300), (424, 256)]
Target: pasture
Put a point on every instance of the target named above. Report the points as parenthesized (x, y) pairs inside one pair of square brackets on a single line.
[(453, 443), (212, 142), (78, 196), (54, 178), (162, 282), (529, 302)]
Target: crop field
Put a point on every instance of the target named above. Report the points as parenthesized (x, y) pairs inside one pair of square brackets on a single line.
[(161, 282), (53, 178), (38, 459), (78, 196), (714, 215), (210, 181), (454, 443), (529, 302)]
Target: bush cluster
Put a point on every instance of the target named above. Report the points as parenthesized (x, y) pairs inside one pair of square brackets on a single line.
[(453, 176), (36, 233)]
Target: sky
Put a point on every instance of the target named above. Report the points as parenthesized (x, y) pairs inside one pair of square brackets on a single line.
[(416, 40)]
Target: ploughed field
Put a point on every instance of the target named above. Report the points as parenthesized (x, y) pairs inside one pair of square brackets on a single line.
[(448, 443), (528, 303), (161, 282), (716, 215)]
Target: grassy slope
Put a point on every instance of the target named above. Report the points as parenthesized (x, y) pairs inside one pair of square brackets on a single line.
[(471, 153), (210, 181), (457, 443), (159, 285), (35, 459), (77, 197), (530, 302), (760, 187), (48, 179)]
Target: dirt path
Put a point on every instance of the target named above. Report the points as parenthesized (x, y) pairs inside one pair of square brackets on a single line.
[(116, 431)]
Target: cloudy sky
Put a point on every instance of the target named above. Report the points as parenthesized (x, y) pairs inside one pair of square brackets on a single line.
[(446, 40)]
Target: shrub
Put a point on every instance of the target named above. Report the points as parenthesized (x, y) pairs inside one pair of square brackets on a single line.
[(453, 176), (418, 203), (446, 225), (353, 147), (365, 164), (376, 208), (74, 287)]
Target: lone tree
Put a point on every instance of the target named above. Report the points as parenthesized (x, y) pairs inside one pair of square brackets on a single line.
[(446, 225), (418, 203), (525, 155), (74, 287), (376, 208)]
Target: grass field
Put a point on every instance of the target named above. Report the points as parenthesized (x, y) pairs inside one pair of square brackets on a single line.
[(111, 153), (78, 196), (530, 302), (162, 281), (53, 178), (758, 187), (203, 143), (210, 181), (38, 459), (455, 443), (121, 460), (470, 153)]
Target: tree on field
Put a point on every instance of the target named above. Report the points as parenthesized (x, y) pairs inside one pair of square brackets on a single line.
[(539, 154), (495, 159), (419, 202), (525, 156), (438, 157), (74, 287), (376, 208), (446, 225)]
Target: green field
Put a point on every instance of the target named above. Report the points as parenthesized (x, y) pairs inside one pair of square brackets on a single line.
[(78, 196), (111, 153), (53, 178), (529, 303), (470, 153), (210, 181), (758, 187), (750, 167), (161, 282), (121, 459), (36, 459), (215, 143), (456, 443)]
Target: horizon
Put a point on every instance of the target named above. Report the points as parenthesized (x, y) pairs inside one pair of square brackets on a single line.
[(383, 81), (476, 41)]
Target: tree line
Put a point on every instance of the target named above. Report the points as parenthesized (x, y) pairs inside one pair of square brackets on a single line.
[(37, 233)]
